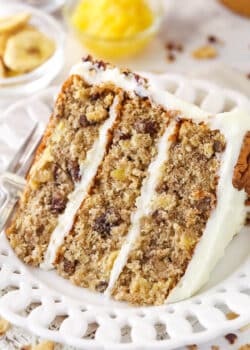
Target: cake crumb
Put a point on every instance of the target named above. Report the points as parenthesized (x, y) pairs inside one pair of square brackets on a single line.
[(192, 347), (231, 315), (4, 326), (215, 347), (171, 57), (172, 46), (213, 39), (231, 338), (179, 47), (205, 52), (172, 49)]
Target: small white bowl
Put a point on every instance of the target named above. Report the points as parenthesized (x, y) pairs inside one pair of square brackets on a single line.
[(40, 77), (46, 5)]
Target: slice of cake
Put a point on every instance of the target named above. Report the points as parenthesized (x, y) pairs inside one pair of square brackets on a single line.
[(72, 147), (133, 193)]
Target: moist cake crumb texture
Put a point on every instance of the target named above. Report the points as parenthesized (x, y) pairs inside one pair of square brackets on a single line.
[(104, 217), (184, 198), (79, 112), (125, 191)]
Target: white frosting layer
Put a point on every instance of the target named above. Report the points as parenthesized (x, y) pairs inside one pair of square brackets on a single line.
[(88, 170), (143, 204), (228, 216)]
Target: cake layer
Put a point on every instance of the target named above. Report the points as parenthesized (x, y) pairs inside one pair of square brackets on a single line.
[(80, 112), (102, 223), (88, 170), (230, 213), (180, 207)]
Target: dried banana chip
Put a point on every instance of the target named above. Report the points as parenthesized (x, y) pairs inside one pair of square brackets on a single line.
[(27, 50), (13, 23)]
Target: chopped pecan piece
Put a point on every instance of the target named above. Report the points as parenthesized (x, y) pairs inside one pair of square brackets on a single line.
[(102, 226), (101, 286), (84, 121), (104, 223), (231, 337), (74, 170), (146, 127), (69, 266), (218, 146), (58, 203)]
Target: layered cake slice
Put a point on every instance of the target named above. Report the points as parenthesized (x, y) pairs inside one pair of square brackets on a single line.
[(73, 145), (133, 193)]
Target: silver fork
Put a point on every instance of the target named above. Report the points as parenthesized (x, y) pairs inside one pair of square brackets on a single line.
[(12, 181)]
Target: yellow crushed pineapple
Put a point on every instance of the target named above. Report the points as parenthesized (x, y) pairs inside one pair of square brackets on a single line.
[(110, 27)]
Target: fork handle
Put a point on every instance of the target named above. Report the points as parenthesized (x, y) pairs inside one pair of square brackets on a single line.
[(6, 211), (11, 186)]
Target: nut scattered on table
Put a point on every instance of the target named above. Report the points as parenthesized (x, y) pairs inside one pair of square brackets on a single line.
[(192, 347), (4, 326), (173, 48), (22, 46), (205, 52), (231, 315), (213, 39), (171, 57), (231, 338)]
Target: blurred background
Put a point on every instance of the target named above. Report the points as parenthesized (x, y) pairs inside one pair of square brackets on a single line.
[(198, 38)]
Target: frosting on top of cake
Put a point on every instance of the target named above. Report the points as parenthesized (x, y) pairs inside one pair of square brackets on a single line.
[(97, 72)]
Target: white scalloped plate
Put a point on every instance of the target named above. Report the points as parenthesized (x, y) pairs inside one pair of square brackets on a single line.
[(48, 5), (39, 300)]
